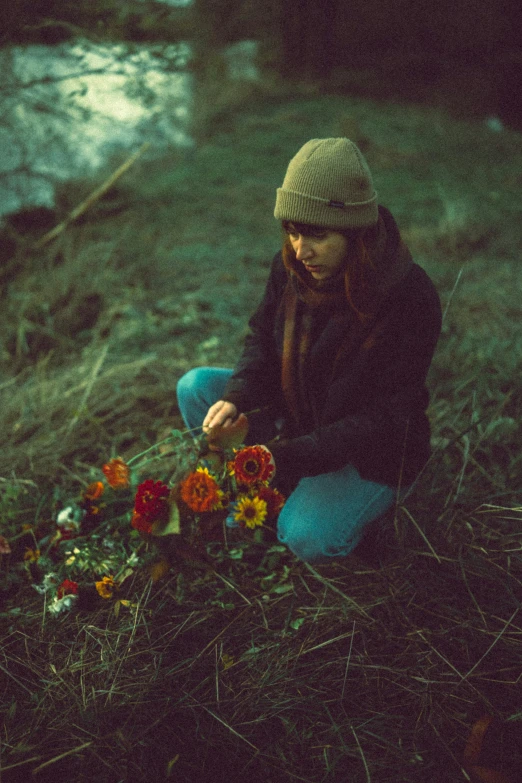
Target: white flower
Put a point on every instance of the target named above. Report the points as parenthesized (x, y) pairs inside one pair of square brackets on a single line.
[(63, 604), (69, 518)]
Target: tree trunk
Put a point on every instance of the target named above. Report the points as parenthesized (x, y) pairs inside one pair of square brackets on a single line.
[(308, 38)]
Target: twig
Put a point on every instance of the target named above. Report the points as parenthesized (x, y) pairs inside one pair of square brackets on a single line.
[(423, 536), (328, 641), (19, 763), (465, 580), (228, 726), (451, 294), (94, 374), (339, 592), (366, 769), (448, 663), (90, 200), (61, 756), (348, 660), (506, 626), (214, 640), (230, 584), (217, 673), (16, 680)]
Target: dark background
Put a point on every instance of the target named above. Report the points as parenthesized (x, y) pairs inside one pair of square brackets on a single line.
[(466, 54)]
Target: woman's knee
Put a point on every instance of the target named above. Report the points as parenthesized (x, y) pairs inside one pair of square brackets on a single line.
[(307, 549), (308, 538), (314, 547), (319, 535), (188, 383)]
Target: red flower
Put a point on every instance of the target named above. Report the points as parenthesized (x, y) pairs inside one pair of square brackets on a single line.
[(67, 588), (252, 465), (117, 473), (141, 523), (274, 500), (151, 500), (66, 535)]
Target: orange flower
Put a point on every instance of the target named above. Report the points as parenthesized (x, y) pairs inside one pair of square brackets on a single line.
[(201, 492), (94, 490), (117, 473), (106, 586), (274, 500), (252, 465)]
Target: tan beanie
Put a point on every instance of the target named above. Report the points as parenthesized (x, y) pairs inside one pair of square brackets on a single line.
[(328, 183)]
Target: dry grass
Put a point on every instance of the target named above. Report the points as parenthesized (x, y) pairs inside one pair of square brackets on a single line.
[(270, 668), (254, 665)]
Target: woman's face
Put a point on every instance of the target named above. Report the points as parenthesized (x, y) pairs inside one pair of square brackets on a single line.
[(322, 252)]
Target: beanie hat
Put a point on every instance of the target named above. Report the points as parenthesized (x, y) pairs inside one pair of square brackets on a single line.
[(328, 184)]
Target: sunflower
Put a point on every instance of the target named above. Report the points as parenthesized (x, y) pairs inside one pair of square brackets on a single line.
[(249, 512), (252, 465), (201, 492), (117, 473)]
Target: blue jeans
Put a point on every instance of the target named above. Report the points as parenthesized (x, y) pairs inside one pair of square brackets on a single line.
[(325, 516)]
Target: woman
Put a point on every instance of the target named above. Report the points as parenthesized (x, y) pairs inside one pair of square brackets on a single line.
[(336, 358)]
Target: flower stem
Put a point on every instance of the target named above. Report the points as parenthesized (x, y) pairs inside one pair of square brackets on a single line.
[(177, 433)]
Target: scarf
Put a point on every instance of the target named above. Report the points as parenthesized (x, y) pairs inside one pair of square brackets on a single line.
[(326, 310)]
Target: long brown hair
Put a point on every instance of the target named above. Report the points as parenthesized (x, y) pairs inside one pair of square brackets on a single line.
[(360, 268)]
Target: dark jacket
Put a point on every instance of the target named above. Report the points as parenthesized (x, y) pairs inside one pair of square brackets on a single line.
[(370, 412)]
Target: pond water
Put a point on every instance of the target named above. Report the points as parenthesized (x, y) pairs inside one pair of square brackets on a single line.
[(65, 110)]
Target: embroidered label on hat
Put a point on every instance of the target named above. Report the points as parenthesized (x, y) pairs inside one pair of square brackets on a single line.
[(338, 204)]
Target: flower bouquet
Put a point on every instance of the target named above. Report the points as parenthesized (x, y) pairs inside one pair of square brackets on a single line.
[(128, 519)]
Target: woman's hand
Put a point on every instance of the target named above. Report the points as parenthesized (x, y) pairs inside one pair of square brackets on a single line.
[(224, 428), (222, 413)]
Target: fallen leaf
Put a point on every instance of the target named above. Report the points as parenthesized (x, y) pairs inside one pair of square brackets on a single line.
[(159, 569)]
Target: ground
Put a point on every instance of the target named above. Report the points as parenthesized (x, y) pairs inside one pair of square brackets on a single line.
[(252, 664)]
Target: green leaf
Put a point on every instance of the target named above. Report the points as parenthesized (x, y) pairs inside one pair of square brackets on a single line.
[(280, 589), (169, 527), (171, 764)]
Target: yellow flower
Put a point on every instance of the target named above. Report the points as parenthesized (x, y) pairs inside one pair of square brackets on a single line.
[(250, 512), (106, 586), (32, 555)]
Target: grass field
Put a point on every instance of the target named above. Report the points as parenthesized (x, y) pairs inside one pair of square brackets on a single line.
[(251, 664)]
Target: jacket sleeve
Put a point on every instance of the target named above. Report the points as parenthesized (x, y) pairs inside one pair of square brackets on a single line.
[(256, 380), (387, 439)]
